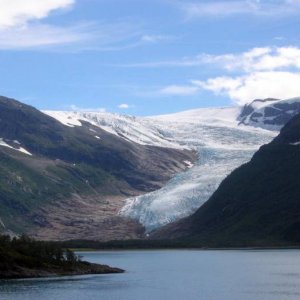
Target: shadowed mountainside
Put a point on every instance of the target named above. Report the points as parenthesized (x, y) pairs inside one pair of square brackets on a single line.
[(257, 205)]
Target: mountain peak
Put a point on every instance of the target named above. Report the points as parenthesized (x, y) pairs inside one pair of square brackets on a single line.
[(270, 113)]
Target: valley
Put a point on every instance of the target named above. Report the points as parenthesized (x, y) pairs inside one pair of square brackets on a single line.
[(121, 177)]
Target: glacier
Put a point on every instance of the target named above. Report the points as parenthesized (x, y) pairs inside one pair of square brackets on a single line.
[(222, 146), (221, 142)]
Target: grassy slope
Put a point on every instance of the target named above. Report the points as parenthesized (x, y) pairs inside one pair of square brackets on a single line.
[(23, 189)]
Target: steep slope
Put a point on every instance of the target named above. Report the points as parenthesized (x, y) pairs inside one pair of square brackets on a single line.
[(257, 205), (60, 181)]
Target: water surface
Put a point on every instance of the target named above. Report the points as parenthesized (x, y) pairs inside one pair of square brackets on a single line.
[(171, 275)]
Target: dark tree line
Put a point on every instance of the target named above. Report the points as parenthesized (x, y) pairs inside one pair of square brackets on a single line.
[(28, 251)]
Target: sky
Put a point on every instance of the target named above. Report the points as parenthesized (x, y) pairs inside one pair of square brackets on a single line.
[(148, 57)]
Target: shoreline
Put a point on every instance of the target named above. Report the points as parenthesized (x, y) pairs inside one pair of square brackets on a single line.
[(79, 250), (84, 268)]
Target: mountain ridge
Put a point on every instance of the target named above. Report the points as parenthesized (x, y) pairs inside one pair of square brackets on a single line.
[(138, 155)]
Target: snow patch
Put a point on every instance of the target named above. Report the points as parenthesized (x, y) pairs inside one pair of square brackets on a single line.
[(188, 164), (275, 109), (136, 129), (295, 144), (4, 144), (70, 119), (2, 224), (20, 149), (224, 116), (24, 151), (97, 137)]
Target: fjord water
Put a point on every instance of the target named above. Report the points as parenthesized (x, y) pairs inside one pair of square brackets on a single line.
[(175, 274)]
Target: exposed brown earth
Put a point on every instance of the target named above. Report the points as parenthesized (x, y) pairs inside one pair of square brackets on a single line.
[(90, 217)]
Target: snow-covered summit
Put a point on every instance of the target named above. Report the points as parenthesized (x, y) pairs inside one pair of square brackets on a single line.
[(136, 129), (270, 114), (225, 116)]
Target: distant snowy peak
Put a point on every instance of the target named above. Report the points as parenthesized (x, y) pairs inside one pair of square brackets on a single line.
[(136, 129), (271, 114), (68, 118), (224, 116)]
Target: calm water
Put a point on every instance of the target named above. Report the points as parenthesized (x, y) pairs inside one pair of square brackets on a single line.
[(171, 275)]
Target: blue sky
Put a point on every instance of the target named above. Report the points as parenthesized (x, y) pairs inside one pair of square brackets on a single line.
[(148, 57)]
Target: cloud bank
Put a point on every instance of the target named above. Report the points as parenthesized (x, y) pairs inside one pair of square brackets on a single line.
[(23, 25), (19, 12), (257, 73)]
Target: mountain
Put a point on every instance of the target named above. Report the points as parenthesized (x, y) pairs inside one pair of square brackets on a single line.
[(270, 113), (104, 176), (214, 133), (224, 139), (62, 182), (256, 205), (134, 129)]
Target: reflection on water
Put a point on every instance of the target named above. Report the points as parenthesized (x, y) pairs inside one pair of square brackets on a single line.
[(177, 274)]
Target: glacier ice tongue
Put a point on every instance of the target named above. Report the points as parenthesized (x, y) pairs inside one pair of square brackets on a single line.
[(222, 146), (215, 133)]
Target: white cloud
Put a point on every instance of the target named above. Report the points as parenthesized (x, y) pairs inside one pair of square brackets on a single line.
[(265, 72), (37, 36), (258, 73), (19, 12), (124, 106), (223, 8), (155, 38), (242, 89), (83, 36), (257, 59), (22, 26), (82, 109), (179, 90)]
